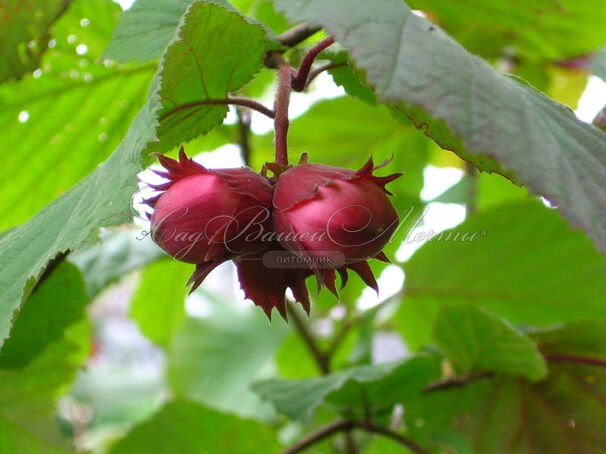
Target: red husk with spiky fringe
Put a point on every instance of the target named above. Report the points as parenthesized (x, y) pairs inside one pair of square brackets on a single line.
[(308, 197), (199, 212)]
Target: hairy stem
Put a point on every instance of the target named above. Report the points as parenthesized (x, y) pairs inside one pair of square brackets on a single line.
[(299, 82), (345, 426), (244, 102), (281, 121)]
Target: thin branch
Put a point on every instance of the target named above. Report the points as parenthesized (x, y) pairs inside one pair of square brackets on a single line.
[(316, 72), (281, 121), (386, 432), (456, 382), (297, 34), (290, 38), (351, 447), (244, 134), (317, 436), (320, 358), (344, 425), (564, 357), (299, 82), (245, 102)]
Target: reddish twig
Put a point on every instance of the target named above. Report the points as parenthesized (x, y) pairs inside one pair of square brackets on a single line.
[(281, 121), (455, 382), (564, 357), (299, 82), (316, 72), (244, 102), (344, 426)]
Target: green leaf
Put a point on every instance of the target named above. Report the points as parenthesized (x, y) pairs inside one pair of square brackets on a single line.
[(216, 53), (28, 396), (25, 28), (541, 29), (145, 29), (189, 428), (103, 197), (540, 272), (61, 122), (57, 304), (563, 414), (115, 255), (213, 361), (383, 385), (429, 77), (476, 340), (158, 305), (487, 190), (149, 25)]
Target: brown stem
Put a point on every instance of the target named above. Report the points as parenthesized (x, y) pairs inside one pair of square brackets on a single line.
[(244, 136), (299, 82), (281, 121), (316, 72), (565, 357), (456, 382), (318, 435), (344, 425), (320, 358), (290, 38), (351, 447), (297, 34), (245, 102)]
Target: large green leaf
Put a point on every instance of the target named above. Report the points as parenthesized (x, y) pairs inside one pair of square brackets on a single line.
[(540, 272), (214, 361), (207, 65), (57, 304), (146, 29), (59, 123), (28, 396), (536, 29), (432, 79), (189, 428), (380, 386), (475, 340), (158, 305), (103, 197), (25, 26), (563, 414)]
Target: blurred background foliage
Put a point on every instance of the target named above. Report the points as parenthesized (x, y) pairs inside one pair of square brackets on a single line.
[(464, 348)]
